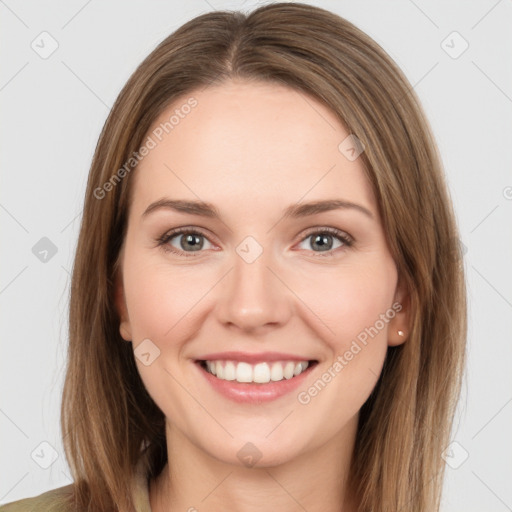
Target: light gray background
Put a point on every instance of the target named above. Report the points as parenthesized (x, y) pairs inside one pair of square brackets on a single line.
[(53, 110)]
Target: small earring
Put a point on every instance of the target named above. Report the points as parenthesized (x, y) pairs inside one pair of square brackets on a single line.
[(400, 333)]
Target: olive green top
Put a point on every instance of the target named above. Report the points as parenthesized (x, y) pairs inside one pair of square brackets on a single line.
[(54, 500)]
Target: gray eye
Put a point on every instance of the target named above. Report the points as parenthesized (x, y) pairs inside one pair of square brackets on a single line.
[(189, 242), (322, 241)]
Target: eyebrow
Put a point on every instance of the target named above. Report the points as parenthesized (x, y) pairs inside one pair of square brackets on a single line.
[(204, 209)]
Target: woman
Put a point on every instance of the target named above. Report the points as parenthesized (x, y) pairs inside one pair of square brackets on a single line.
[(268, 302)]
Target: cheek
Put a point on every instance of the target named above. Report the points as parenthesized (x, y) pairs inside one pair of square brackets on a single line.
[(161, 309), (159, 298), (352, 300), (356, 305)]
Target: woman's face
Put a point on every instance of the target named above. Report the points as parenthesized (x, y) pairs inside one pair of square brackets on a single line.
[(265, 282)]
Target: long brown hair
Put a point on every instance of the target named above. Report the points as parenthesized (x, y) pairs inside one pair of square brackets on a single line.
[(109, 420)]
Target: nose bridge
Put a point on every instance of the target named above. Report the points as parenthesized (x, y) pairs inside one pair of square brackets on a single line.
[(254, 296)]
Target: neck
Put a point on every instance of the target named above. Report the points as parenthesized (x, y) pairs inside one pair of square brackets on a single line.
[(315, 480)]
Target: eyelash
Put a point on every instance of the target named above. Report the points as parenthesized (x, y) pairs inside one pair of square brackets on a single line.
[(164, 240)]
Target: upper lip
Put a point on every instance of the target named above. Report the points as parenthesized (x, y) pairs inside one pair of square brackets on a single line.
[(252, 358)]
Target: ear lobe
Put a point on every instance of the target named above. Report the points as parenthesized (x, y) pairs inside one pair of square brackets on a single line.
[(399, 330), (121, 308)]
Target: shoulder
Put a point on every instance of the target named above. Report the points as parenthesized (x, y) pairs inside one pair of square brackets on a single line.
[(55, 500)]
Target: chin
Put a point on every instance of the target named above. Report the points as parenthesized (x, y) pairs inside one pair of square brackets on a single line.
[(256, 452)]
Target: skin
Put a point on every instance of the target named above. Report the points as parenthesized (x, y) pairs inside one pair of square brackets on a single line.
[(253, 149)]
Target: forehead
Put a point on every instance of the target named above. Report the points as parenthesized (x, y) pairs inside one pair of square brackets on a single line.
[(263, 142)]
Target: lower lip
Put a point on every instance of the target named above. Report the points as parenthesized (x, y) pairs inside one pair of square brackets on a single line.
[(255, 393)]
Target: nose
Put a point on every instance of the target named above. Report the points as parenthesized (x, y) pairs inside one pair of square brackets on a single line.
[(254, 295)]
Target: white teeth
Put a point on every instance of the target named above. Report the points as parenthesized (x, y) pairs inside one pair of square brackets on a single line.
[(288, 370), (243, 373), (260, 373), (229, 371), (276, 372)]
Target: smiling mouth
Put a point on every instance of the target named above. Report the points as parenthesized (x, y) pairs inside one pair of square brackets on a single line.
[(260, 373)]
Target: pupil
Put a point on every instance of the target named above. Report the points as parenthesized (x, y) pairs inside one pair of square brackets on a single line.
[(324, 245), (190, 239)]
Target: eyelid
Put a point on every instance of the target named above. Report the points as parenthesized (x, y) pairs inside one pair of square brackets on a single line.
[(331, 231)]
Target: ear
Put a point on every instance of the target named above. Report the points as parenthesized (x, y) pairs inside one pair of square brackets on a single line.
[(120, 304), (398, 329)]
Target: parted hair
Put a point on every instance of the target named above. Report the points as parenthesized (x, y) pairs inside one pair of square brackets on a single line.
[(109, 421)]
